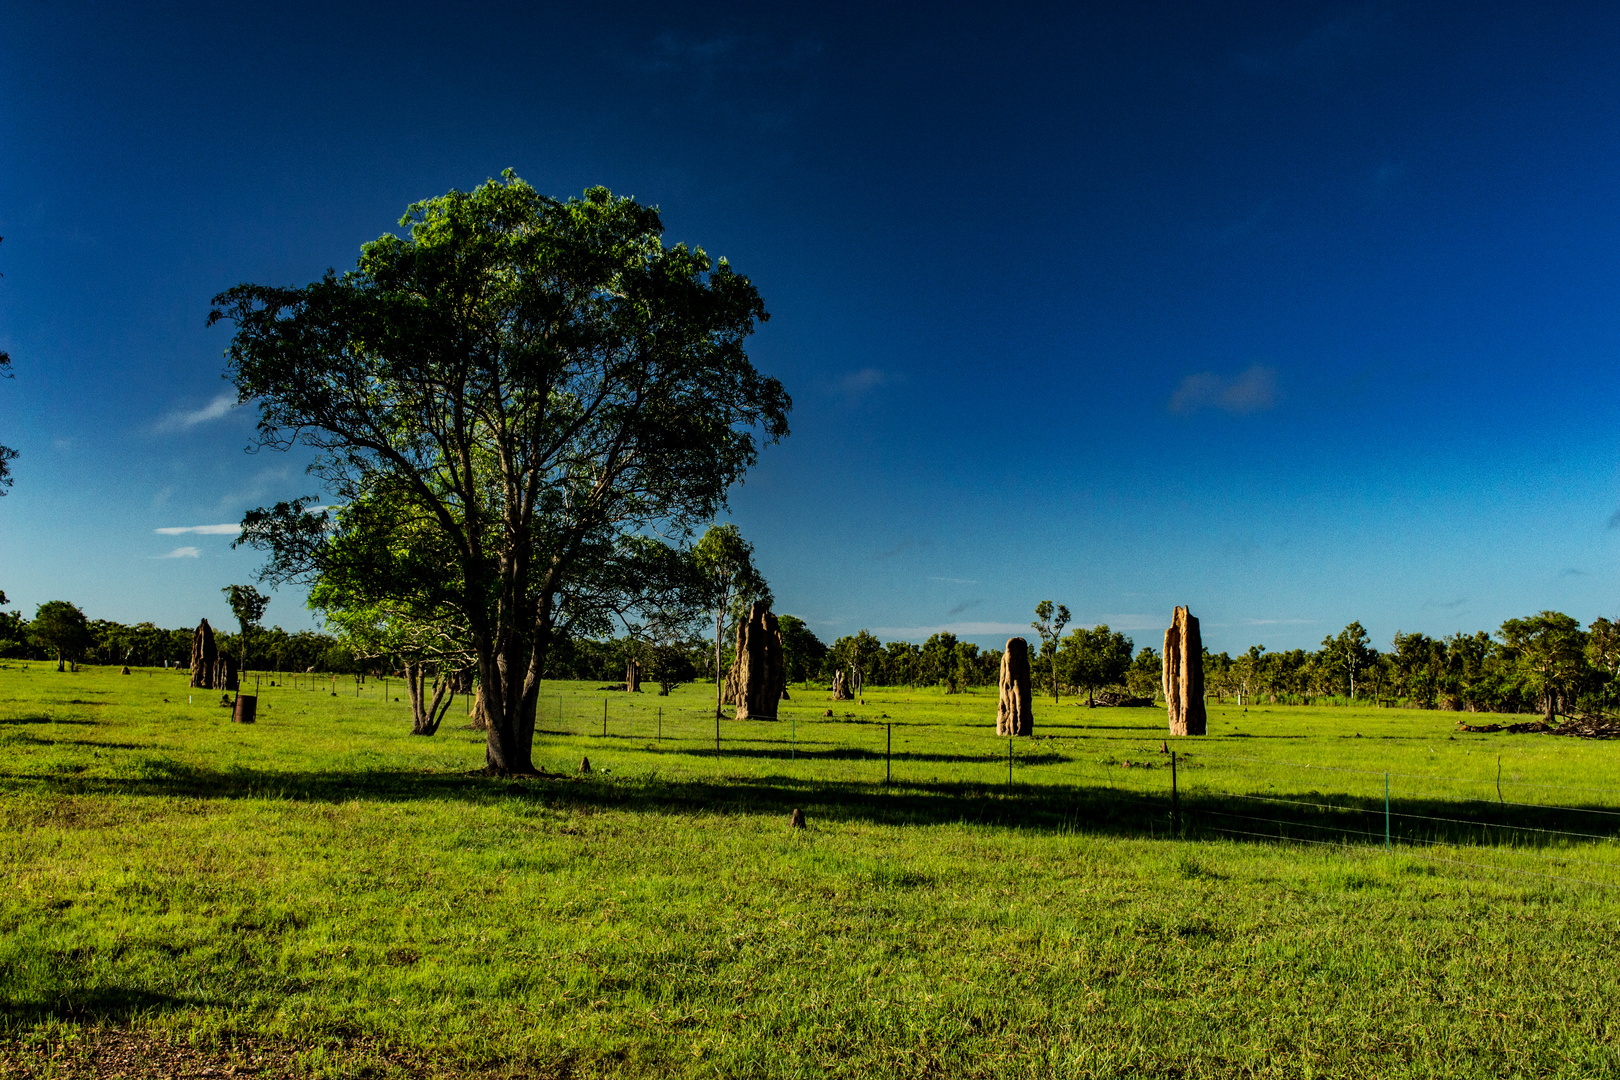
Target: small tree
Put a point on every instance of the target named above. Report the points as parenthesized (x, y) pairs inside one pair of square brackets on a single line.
[(1348, 654), (61, 628), (940, 660), (1145, 678), (248, 605), (1094, 657), (726, 563), (1049, 623), (853, 654), (1549, 651), (1603, 651), (1248, 671)]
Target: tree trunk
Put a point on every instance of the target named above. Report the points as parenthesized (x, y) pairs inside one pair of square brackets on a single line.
[(509, 675), (428, 713)]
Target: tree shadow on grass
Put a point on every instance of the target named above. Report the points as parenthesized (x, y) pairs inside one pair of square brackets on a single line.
[(22, 720), (808, 751), (1268, 816), (35, 740)]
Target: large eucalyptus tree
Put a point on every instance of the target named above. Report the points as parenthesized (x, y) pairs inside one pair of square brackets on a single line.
[(512, 402)]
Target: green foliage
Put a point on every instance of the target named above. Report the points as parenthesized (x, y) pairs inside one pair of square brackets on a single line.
[(802, 652), (1145, 677), (509, 402), (248, 605), (728, 584), (1549, 651), (62, 628), (861, 657), (1094, 657), (1344, 658), (1049, 623)]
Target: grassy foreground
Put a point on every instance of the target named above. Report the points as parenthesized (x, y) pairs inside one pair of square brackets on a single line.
[(323, 892)]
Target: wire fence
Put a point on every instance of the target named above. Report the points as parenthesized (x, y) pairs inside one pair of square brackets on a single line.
[(1489, 824), (1140, 783)]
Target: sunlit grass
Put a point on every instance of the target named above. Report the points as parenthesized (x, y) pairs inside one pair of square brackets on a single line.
[(321, 878)]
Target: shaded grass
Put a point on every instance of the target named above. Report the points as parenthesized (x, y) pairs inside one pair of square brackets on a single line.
[(324, 880)]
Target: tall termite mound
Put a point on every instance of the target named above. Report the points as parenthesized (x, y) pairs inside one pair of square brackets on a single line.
[(1184, 675), (210, 669), (758, 675), (1013, 714)]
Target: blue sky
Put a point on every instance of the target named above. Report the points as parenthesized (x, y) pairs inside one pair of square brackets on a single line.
[(1294, 313)]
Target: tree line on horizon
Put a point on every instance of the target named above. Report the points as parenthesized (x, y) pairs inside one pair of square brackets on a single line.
[(1544, 663), (103, 641)]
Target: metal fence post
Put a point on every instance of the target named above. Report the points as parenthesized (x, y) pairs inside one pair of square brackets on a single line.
[(888, 756), (1386, 812), (660, 723), (604, 718)]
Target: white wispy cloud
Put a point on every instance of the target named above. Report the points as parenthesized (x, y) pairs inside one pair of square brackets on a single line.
[(201, 530), (181, 553), (181, 419), (1255, 390)]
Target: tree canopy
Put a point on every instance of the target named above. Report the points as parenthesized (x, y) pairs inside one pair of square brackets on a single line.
[(523, 398), (63, 629)]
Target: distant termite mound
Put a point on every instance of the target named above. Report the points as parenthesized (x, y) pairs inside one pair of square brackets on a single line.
[(1013, 714), (210, 670), (840, 687), (758, 676), (1184, 675)]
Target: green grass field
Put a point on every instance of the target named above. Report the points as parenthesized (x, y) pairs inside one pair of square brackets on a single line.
[(320, 893)]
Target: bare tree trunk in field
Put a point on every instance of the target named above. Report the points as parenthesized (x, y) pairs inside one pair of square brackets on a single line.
[(428, 713)]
